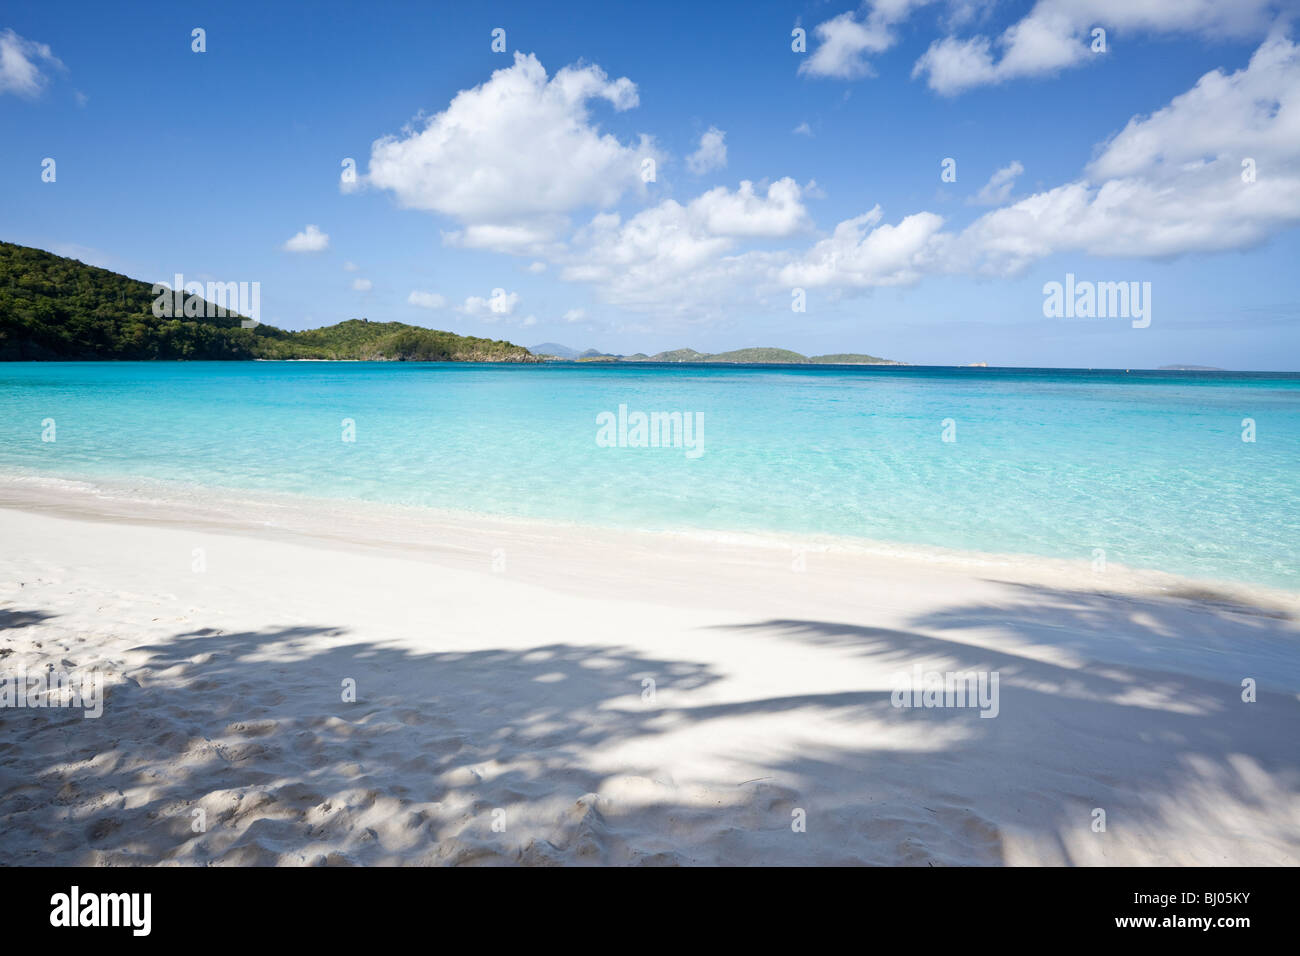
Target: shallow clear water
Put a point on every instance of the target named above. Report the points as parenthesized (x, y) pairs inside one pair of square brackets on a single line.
[(1149, 466)]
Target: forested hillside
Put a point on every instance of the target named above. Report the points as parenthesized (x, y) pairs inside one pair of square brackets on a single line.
[(53, 307)]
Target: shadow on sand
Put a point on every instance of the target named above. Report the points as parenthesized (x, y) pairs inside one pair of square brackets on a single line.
[(252, 730)]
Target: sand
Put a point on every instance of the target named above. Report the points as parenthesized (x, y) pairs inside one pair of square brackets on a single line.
[(503, 714)]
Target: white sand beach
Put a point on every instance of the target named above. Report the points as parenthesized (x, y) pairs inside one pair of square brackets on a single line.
[(502, 715)]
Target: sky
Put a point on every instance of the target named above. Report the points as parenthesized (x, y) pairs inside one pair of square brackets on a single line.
[(904, 178)]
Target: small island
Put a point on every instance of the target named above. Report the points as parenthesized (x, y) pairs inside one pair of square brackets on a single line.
[(553, 352)]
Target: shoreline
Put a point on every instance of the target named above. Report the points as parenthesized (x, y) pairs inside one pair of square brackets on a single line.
[(620, 698), (348, 522)]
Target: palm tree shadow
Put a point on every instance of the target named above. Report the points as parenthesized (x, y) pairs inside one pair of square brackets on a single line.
[(296, 745), (300, 745), (12, 620), (1157, 733)]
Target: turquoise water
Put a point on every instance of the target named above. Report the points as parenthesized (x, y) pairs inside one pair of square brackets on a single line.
[(1149, 466)]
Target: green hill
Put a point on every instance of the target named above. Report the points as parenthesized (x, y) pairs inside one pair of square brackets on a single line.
[(52, 307), (679, 355), (396, 342), (782, 356)]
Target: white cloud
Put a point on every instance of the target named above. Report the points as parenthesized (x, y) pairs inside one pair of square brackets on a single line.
[(862, 252), (998, 189), (535, 237), (362, 285), (1170, 183), (1167, 184), (953, 65), (844, 43), (678, 256), (846, 40), (1057, 34), (1253, 112), (712, 153), (510, 157), (20, 59), (643, 257), (746, 214), (803, 129), (310, 239), (499, 303), (350, 267), (961, 12), (426, 300)]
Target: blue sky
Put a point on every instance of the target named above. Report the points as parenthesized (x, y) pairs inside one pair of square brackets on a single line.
[(1117, 166)]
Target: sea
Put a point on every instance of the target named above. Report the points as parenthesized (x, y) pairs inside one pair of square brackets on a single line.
[(1188, 472)]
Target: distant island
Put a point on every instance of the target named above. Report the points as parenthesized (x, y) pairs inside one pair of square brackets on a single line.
[(1188, 368), (552, 351), (55, 308)]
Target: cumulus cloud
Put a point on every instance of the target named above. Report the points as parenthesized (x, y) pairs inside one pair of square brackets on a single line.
[(362, 285), (426, 300), (1166, 184), (535, 237), (998, 189), (649, 255), (745, 213), (1170, 183), (20, 64), (843, 45), (1057, 34), (863, 252), (499, 303), (1252, 112), (712, 153), (508, 159), (845, 41), (310, 239)]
